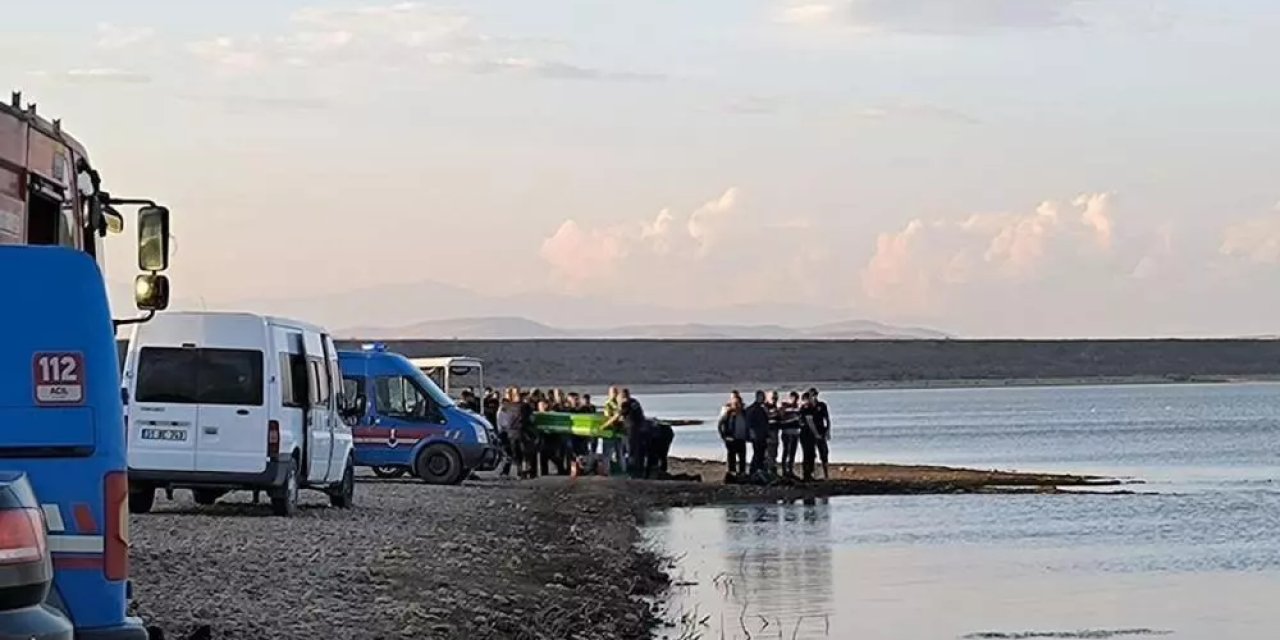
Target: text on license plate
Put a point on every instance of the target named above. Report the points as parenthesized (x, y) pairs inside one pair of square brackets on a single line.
[(176, 435)]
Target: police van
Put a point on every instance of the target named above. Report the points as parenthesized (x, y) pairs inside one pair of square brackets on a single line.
[(404, 423), (217, 402)]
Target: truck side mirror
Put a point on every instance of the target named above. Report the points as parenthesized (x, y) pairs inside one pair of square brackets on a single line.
[(151, 292), (153, 239)]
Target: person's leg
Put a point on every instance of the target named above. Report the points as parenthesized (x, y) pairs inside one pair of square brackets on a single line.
[(822, 453), (789, 454), (807, 445), (757, 455), (738, 457)]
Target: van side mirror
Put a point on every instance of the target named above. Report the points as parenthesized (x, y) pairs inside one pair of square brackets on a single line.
[(153, 238), (151, 292)]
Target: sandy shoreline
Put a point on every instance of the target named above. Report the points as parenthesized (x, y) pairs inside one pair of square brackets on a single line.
[(551, 558)]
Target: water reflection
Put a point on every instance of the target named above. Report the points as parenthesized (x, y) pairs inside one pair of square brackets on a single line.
[(771, 577)]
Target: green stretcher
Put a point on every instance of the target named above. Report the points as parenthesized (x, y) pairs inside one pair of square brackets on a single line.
[(587, 425)]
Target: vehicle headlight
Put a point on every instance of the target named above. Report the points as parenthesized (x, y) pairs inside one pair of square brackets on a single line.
[(482, 433)]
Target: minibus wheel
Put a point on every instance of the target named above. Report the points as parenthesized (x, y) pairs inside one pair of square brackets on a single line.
[(343, 496), (390, 471), (284, 499), (141, 499), (440, 464)]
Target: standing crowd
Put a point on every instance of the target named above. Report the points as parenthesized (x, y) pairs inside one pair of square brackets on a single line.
[(635, 445), (801, 424)]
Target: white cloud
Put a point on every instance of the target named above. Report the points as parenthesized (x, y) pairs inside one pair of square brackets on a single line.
[(407, 36), (913, 269), (1256, 240), (101, 75), (954, 16), (111, 36)]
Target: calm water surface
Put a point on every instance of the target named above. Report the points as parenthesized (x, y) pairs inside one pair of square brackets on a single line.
[(1199, 559)]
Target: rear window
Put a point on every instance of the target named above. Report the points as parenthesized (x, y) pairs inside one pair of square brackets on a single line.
[(200, 376)]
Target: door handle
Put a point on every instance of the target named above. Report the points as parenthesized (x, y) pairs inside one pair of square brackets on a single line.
[(242, 412), (211, 431)]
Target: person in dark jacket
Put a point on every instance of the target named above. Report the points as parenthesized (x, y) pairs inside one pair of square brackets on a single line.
[(660, 445), (757, 415), (790, 410), (809, 418), (824, 432), (637, 434), (734, 432)]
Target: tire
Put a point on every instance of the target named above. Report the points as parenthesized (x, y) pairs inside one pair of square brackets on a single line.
[(141, 499), (206, 497), (284, 500), (440, 464), (343, 496), (390, 471)]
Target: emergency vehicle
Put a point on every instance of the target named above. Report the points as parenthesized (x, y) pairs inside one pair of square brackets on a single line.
[(61, 414), (403, 423)]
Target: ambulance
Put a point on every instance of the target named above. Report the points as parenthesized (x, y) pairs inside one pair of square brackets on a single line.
[(62, 425)]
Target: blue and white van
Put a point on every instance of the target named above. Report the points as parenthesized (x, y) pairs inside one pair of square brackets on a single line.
[(403, 423)]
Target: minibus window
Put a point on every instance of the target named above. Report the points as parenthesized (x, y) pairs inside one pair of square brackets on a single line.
[(200, 376), (167, 375), (230, 376)]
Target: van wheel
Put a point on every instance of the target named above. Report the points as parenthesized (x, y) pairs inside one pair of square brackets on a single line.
[(343, 496), (206, 497), (141, 499), (440, 464), (284, 500), (390, 471)]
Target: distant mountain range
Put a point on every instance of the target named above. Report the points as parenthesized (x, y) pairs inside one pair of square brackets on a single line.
[(515, 328)]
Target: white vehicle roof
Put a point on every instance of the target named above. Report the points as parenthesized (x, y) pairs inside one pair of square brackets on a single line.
[(447, 361), (221, 328)]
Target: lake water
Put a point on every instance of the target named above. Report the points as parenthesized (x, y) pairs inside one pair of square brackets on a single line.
[(1199, 558)]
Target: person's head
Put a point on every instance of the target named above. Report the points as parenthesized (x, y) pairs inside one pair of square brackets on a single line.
[(467, 395), (794, 396), (586, 398), (624, 395), (488, 391), (734, 395), (760, 396), (806, 398), (813, 392), (735, 401), (513, 394), (543, 405), (575, 399), (613, 393), (773, 397)]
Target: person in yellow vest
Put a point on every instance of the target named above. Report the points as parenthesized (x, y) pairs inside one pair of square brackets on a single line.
[(614, 448)]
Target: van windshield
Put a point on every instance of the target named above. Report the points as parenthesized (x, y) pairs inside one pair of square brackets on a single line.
[(200, 376), (431, 388)]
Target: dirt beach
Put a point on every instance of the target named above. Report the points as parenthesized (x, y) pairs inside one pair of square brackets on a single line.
[(552, 558)]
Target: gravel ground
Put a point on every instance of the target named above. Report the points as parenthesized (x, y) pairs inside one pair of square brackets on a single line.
[(493, 559), (552, 559)]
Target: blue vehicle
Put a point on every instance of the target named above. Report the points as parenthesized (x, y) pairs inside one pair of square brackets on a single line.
[(62, 425), (403, 423)]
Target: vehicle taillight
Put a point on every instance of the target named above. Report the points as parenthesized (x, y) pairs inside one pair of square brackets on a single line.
[(273, 439), (22, 538), (116, 537)]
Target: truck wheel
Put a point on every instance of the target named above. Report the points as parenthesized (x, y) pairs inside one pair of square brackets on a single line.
[(141, 499), (206, 497), (343, 496), (390, 471), (440, 464), (284, 500)]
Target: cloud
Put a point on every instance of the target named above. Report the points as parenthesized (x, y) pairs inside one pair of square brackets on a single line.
[(753, 105), (913, 269), (112, 36), (1256, 241), (105, 75), (935, 16), (406, 36), (915, 112)]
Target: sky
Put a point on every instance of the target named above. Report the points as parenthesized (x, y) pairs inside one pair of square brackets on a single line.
[(991, 168)]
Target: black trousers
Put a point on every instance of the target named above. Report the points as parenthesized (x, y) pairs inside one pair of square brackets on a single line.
[(759, 455), (553, 453), (790, 442), (638, 462), (660, 446), (737, 450), (821, 444), (808, 443)]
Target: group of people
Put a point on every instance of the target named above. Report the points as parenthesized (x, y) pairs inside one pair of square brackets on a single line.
[(636, 444), (800, 424)]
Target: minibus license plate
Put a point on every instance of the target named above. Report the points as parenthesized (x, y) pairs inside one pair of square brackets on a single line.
[(175, 435)]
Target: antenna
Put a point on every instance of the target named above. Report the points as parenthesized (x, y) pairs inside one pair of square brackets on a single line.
[(15, 99)]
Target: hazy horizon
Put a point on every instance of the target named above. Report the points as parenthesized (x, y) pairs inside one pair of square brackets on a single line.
[(986, 168)]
